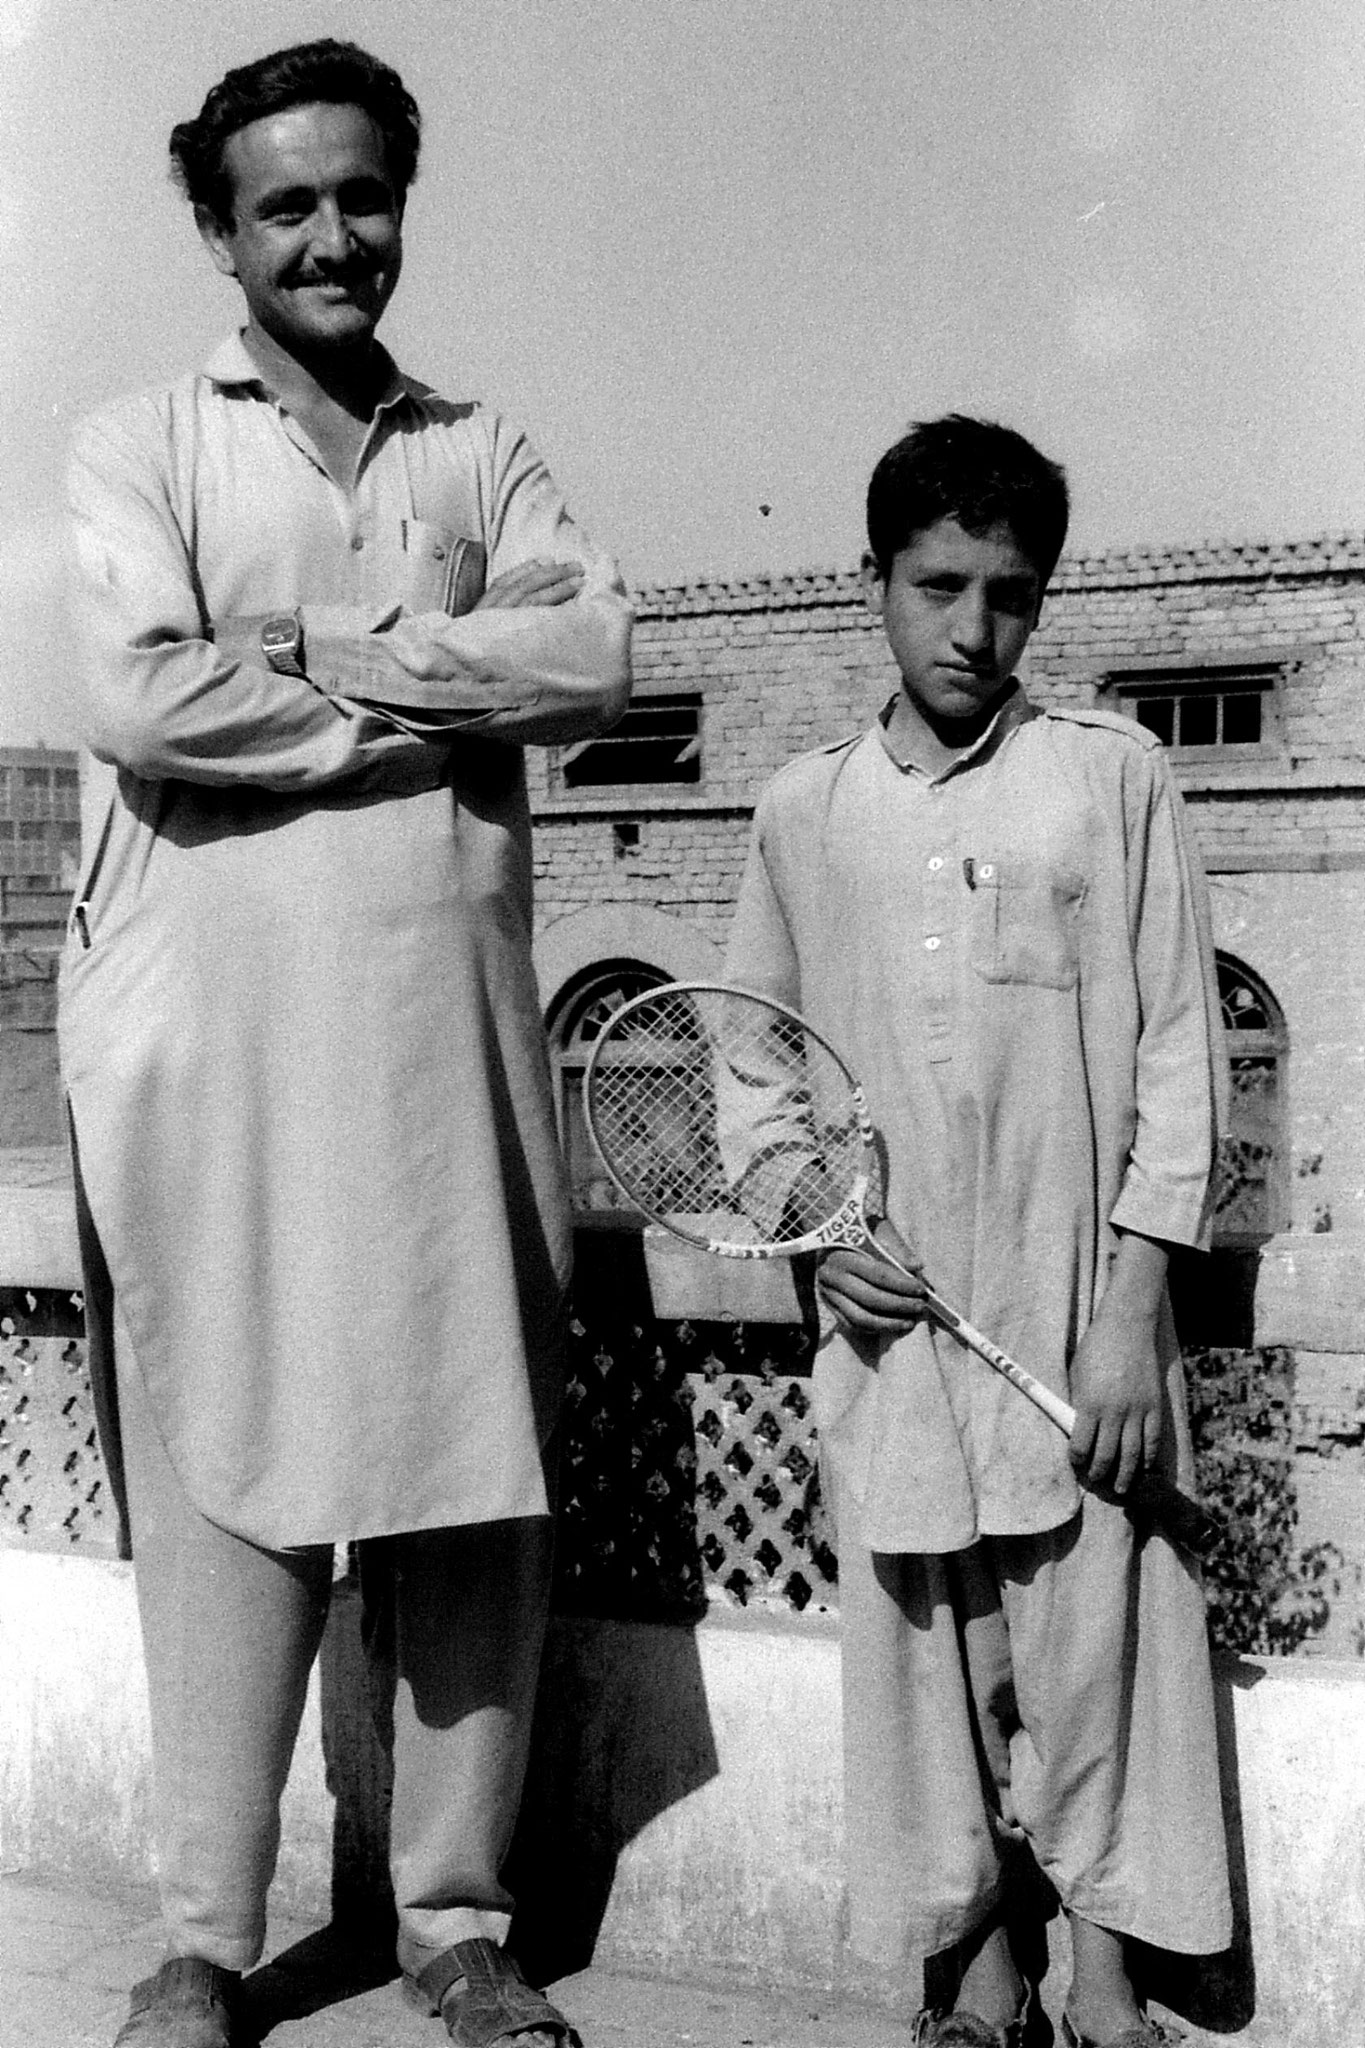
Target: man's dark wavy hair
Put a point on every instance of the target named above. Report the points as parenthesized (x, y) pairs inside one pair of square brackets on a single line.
[(980, 474), (340, 73)]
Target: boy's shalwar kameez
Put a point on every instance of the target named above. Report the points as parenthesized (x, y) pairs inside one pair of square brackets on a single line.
[(1013, 956)]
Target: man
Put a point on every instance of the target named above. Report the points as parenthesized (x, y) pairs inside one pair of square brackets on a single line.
[(321, 609)]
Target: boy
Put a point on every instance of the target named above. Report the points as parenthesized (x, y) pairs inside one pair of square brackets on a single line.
[(994, 912)]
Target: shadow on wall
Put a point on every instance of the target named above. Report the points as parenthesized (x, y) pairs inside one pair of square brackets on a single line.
[(617, 1740), (1214, 1992)]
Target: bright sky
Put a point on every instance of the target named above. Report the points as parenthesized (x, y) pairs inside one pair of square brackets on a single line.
[(714, 254)]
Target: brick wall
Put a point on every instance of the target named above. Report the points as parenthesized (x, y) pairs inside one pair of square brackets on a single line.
[(783, 664), (685, 864)]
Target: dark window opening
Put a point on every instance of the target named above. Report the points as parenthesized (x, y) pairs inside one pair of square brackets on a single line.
[(658, 741), (1207, 707)]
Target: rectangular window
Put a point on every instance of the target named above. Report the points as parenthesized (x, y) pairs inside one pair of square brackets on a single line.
[(1218, 706), (658, 742)]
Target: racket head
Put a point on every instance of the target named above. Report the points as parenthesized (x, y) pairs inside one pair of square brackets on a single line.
[(728, 1119)]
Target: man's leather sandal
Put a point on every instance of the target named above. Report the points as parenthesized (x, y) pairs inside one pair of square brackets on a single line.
[(477, 1989), (188, 2004)]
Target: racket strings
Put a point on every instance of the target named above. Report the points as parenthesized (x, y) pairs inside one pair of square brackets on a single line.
[(723, 1116)]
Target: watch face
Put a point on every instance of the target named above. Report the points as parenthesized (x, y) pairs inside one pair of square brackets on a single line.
[(280, 636)]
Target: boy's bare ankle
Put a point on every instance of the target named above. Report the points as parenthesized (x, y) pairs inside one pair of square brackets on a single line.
[(991, 1986), (1101, 2004)]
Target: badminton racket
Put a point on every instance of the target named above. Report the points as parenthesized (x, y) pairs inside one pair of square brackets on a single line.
[(732, 1122)]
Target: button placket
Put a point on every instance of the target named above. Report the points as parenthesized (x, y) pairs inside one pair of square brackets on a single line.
[(937, 998)]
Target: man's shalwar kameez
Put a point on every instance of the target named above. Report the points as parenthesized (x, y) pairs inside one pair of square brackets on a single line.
[(302, 1043), (1012, 955)]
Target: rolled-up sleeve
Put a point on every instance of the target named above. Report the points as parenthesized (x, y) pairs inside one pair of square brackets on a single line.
[(1180, 1078)]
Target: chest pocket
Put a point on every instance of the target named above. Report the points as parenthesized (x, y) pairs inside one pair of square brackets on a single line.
[(444, 571), (1026, 922)]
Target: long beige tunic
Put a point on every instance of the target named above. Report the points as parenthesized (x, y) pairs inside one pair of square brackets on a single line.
[(299, 1027), (1013, 956)]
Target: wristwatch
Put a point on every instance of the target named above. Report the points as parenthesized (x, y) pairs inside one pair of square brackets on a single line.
[(282, 644)]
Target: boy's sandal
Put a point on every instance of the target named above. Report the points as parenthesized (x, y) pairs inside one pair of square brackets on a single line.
[(938, 2029), (188, 2003), (1146, 2034), (477, 1989)]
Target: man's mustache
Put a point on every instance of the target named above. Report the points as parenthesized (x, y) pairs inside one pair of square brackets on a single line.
[(348, 274)]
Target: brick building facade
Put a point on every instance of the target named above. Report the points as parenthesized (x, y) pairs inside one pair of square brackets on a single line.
[(1254, 659), (39, 849), (1248, 660)]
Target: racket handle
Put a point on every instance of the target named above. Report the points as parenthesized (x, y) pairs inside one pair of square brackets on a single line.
[(1154, 1498), (1188, 1523)]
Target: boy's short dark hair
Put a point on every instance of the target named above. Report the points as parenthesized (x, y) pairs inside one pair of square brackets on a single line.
[(980, 474), (340, 73)]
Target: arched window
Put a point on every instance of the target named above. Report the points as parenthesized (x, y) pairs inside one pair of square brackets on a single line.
[(580, 1013), (1251, 1196)]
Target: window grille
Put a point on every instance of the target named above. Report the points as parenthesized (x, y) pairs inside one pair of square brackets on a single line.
[(579, 1017), (1219, 706), (1250, 1202), (657, 742)]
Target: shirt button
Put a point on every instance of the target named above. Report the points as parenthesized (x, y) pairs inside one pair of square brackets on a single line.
[(986, 871), (932, 945), (357, 543), (935, 863)]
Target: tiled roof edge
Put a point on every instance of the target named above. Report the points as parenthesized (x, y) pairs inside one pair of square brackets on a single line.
[(1118, 569)]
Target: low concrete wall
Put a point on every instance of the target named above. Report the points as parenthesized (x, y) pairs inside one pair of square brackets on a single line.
[(1310, 1291), (685, 1799)]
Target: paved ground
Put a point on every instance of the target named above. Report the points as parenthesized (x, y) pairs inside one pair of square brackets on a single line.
[(68, 1956), (70, 1953)]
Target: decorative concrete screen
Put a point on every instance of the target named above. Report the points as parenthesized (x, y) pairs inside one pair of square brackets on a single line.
[(53, 1490), (688, 1474)]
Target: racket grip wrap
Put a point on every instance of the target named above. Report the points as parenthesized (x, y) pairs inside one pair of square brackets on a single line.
[(1191, 1526)]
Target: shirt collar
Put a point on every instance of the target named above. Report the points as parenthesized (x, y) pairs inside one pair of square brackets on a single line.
[(232, 364), (1014, 711)]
